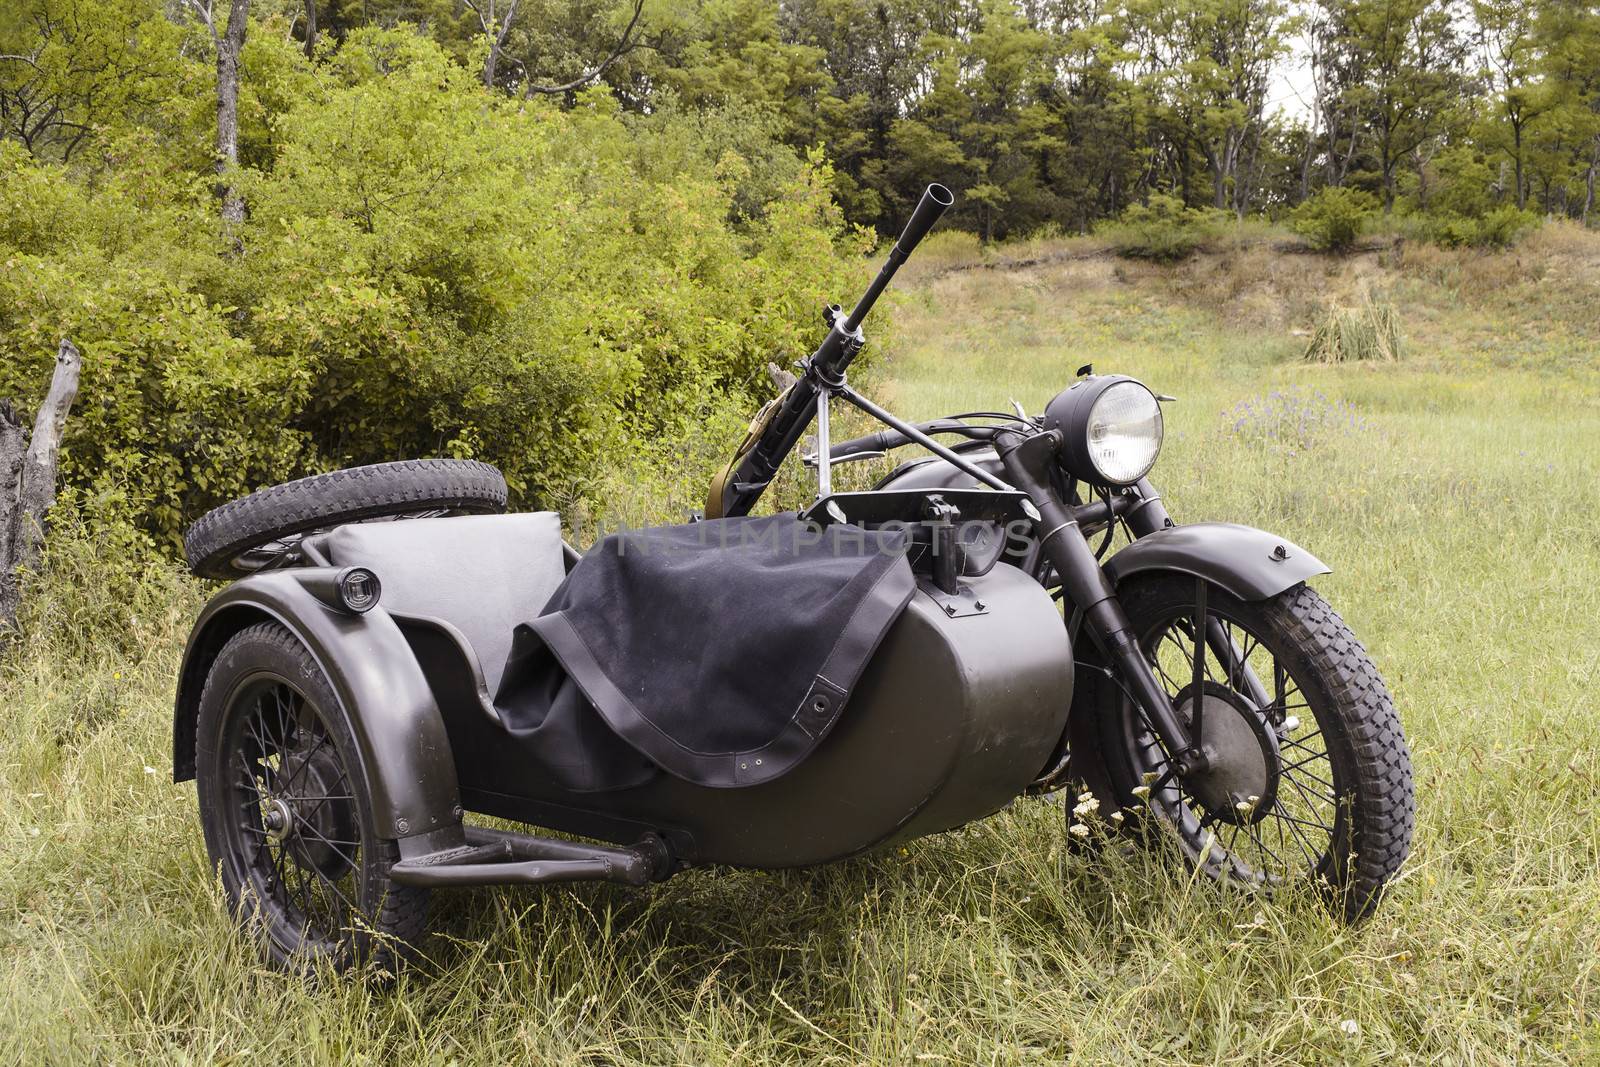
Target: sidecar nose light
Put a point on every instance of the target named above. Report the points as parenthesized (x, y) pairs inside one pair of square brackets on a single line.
[(1124, 432), (359, 589)]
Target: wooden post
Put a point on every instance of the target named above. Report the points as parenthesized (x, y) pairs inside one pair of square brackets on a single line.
[(28, 478)]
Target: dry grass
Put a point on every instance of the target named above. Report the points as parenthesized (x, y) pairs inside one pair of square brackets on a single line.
[(1366, 330)]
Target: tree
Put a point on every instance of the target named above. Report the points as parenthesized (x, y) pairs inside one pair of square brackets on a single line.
[(1096, 151), (1337, 71), (1211, 63), (1510, 53), (228, 43), (538, 34), (495, 22), (1411, 76), (71, 67), (1567, 149)]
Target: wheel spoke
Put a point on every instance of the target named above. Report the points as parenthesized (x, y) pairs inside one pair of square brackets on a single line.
[(1197, 669), (1302, 773), (1312, 852), (281, 751), (1255, 839)]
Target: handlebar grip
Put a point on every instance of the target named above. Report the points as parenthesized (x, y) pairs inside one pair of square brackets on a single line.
[(935, 200)]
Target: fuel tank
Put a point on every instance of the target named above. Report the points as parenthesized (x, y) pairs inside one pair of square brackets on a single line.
[(961, 706)]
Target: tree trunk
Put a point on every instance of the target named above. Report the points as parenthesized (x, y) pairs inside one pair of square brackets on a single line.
[(311, 28), (229, 45), (1522, 198), (491, 63), (28, 478), (1588, 181)]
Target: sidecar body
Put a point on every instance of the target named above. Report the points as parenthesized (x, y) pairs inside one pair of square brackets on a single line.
[(960, 707)]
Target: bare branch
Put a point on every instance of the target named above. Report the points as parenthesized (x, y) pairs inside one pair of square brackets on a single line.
[(32, 61), (484, 21), (624, 46), (505, 23)]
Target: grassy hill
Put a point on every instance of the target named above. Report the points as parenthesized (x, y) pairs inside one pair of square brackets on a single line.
[(1452, 491)]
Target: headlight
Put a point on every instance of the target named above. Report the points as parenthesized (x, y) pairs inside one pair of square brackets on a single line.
[(1111, 429)]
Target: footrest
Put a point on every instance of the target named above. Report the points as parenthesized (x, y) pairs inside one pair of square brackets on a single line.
[(500, 857)]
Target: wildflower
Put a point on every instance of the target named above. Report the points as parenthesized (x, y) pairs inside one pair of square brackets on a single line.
[(1350, 1027), (1077, 829)]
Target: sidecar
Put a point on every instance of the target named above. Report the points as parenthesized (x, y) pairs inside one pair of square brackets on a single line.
[(421, 631)]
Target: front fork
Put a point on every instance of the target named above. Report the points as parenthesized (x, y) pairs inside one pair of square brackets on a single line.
[(1027, 459), (1144, 519)]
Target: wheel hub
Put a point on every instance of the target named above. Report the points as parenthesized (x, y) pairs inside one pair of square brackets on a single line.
[(1239, 782), (316, 822), (279, 818)]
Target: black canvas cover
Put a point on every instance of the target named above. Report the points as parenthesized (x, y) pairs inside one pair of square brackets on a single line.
[(720, 651)]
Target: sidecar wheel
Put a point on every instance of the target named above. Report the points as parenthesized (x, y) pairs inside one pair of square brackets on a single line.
[(1321, 767), (287, 816)]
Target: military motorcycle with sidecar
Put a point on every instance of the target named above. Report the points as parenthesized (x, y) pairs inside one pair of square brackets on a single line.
[(396, 657)]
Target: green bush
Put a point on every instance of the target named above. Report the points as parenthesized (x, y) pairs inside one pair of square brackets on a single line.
[(1163, 230), (426, 269), (1333, 219), (1500, 227)]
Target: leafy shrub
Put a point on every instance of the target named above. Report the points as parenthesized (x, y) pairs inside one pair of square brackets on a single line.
[(1501, 227), (1163, 230), (1333, 219), (1370, 330), (427, 269)]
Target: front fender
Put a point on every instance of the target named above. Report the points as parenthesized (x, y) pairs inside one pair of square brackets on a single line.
[(1249, 563), (382, 691)]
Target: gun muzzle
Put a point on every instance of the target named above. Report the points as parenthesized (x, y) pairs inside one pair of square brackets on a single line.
[(935, 200)]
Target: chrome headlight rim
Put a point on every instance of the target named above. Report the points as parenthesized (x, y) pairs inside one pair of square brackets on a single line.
[(1071, 412)]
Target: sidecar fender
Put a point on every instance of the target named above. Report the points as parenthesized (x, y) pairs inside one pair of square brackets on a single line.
[(383, 693), (1249, 563)]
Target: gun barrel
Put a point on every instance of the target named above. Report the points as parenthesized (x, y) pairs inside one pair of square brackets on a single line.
[(936, 199)]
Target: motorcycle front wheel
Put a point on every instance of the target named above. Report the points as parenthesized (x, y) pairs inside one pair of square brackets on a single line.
[(1309, 777)]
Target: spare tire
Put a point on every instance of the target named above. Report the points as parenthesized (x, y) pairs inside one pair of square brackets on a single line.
[(250, 533)]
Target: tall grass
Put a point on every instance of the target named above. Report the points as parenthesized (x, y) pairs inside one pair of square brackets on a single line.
[(1450, 493), (1366, 330)]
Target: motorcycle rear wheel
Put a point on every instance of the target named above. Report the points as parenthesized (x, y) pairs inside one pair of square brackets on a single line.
[(1315, 783)]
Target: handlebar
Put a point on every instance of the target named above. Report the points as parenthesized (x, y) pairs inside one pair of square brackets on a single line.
[(888, 440)]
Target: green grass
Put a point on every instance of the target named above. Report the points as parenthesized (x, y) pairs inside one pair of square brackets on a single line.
[(1453, 493)]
